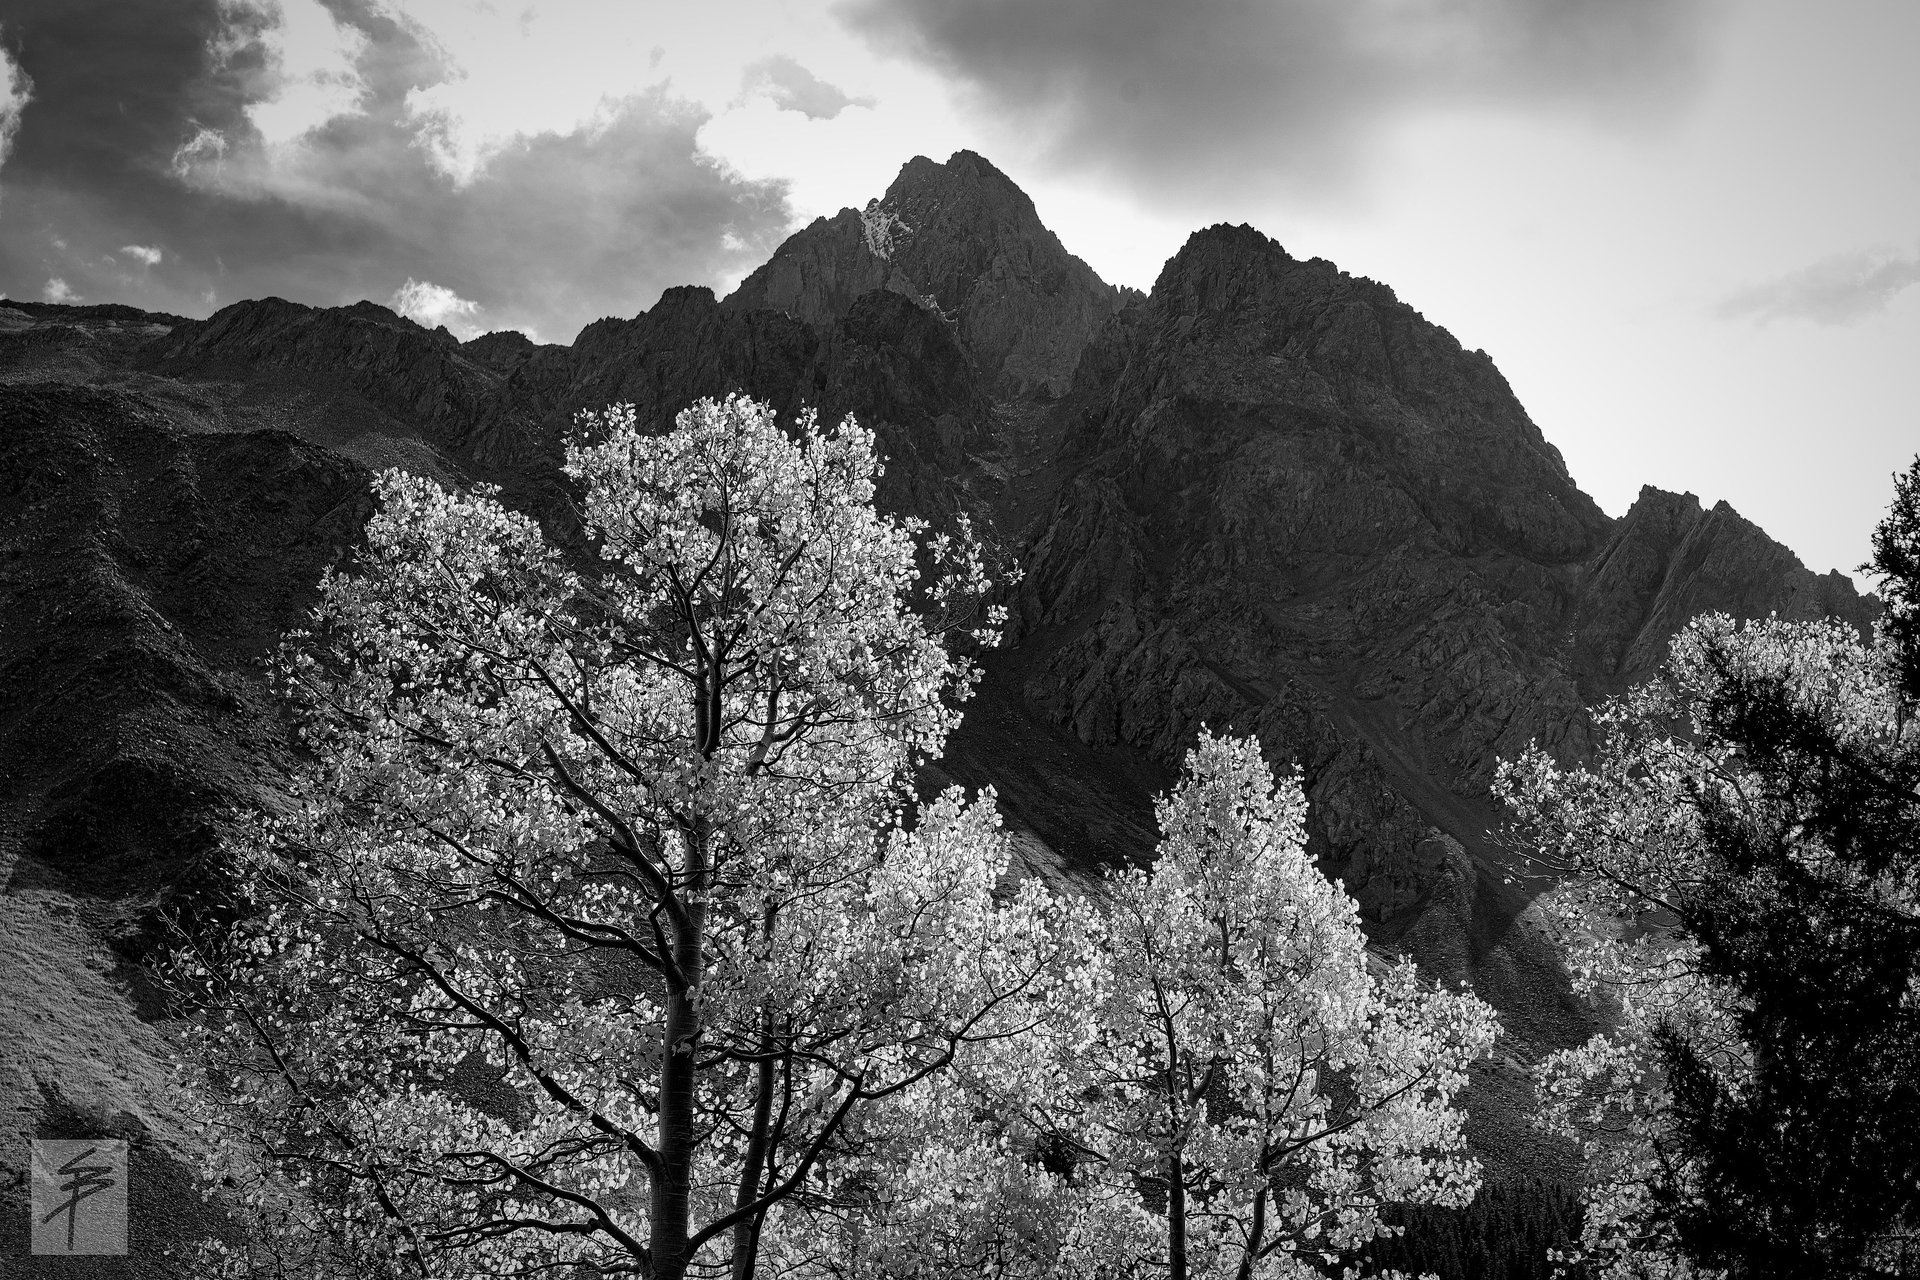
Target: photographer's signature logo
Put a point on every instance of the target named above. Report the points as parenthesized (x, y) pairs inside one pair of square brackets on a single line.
[(80, 1196)]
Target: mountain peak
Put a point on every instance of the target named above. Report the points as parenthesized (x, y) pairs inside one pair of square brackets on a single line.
[(965, 243), (969, 179), (1222, 268), (1227, 240), (369, 310)]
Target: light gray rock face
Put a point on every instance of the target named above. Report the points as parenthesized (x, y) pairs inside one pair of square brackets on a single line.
[(963, 241)]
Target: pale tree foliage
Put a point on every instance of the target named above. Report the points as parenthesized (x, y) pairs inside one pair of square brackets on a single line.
[(1252, 1090), (1230, 1088), (603, 934), (1639, 840)]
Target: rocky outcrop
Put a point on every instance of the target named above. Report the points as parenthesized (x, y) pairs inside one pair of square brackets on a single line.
[(1668, 561), (887, 362), (384, 391), (1312, 486), (965, 243), (502, 351), (51, 342)]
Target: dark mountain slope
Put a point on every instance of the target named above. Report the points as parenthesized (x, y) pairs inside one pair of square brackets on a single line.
[(894, 367), (367, 383), (1290, 492), (352, 378), (148, 569)]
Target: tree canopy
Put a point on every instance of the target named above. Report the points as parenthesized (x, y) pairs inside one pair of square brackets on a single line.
[(605, 932), (1272, 1086), (600, 919)]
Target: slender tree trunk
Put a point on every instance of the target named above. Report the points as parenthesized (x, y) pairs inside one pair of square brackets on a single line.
[(672, 1200), (1254, 1236), (746, 1235), (673, 1188), (1176, 1217)]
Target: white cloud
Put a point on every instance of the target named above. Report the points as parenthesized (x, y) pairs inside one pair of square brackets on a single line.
[(566, 216), (470, 84), (433, 305), (1842, 289), (516, 73), (148, 254), (56, 290), (792, 87), (15, 89)]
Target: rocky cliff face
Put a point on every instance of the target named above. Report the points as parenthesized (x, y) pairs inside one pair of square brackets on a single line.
[(379, 389), (1667, 561), (1268, 497), (1286, 504), (965, 243)]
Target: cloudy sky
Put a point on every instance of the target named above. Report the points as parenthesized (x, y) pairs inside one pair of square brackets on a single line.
[(1688, 231)]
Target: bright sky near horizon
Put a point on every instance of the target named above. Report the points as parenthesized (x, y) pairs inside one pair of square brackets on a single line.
[(1688, 231)]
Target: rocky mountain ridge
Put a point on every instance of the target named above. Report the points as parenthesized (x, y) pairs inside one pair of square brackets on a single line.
[(1266, 496)]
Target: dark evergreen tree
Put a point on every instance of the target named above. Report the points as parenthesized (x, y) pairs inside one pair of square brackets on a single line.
[(1812, 1168), (1896, 564), (1779, 766)]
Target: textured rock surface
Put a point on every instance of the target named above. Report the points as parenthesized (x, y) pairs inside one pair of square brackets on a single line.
[(148, 569), (1287, 504), (357, 379), (1668, 560), (963, 241)]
